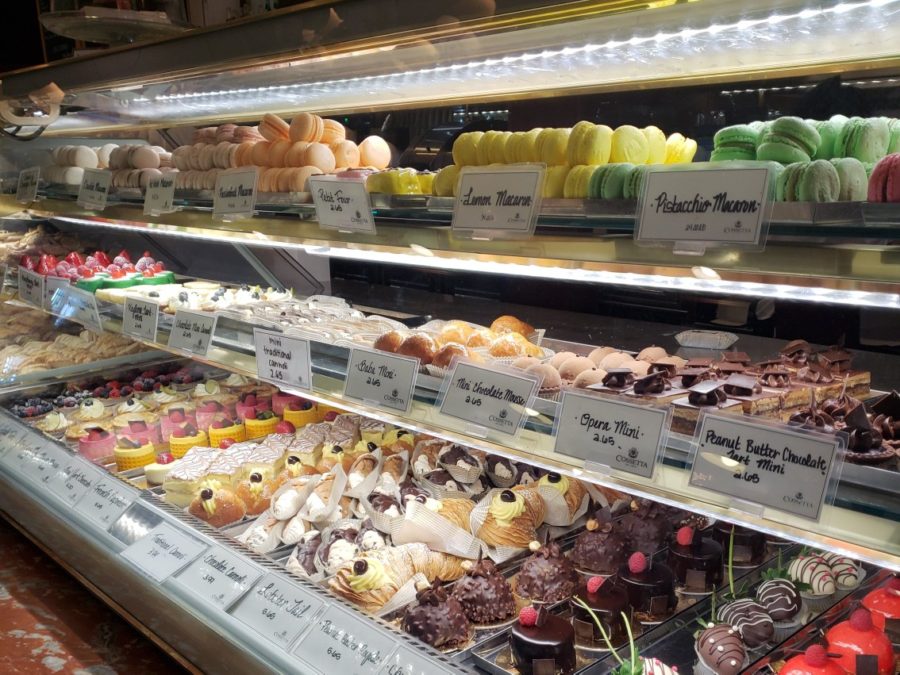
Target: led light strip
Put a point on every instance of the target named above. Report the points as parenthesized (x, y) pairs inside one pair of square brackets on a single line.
[(802, 87)]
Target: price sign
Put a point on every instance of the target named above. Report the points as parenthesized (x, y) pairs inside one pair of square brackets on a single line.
[(278, 609), (498, 202), (342, 204), (74, 479), (51, 285), (406, 661), (26, 190), (704, 206), (383, 379), (106, 501), (219, 576), (94, 189), (491, 398), (77, 305), (160, 195), (192, 331), (282, 359), (163, 551), (340, 642), (140, 318), (20, 457), (235, 194), (31, 287), (770, 465), (619, 435)]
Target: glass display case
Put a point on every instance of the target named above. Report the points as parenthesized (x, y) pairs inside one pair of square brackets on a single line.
[(696, 385)]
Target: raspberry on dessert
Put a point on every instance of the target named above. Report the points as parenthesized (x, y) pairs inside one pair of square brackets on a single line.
[(594, 584), (637, 563), (685, 536), (528, 616)]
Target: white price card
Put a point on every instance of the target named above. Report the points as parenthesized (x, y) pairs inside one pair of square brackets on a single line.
[(492, 398), (75, 478), (51, 285), (160, 195), (76, 305), (106, 501), (46, 462), (385, 380), (140, 318), (341, 642), (708, 205), (31, 287), (766, 464), (498, 202), (282, 359), (163, 551), (192, 331), (406, 661), (342, 204), (94, 189), (219, 576), (278, 609), (611, 433), (19, 455), (235, 194), (26, 190)]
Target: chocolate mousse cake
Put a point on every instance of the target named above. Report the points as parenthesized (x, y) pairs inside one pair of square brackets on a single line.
[(608, 600), (542, 643), (485, 594), (601, 548), (695, 561), (705, 395), (547, 575), (647, 527), (755, 400), (651, 589), (749, 545), (437, 618)]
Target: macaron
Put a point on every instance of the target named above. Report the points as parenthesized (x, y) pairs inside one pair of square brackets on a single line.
[(634, 182), (497, 147), (296, 154), (510, 149), (332, 132), (629, 145), (374, 151), (866, 139), (306, 127), (555, 181), (656, 141), (273, 128), (884, 183), (589, 144), (735, 142), (444, 184), (259, 156), (299, 178), (680, 150), (346, 154), (86, 158), (320, 156), (527, 150), (244, 154), (786, 183), (277, 151), (853, 179), (788, 140), (819, 182), (829, 130), (222, 157), (464, 148), (207, 157), (482, 149), (608, 182), (551, 146), (577, 181), (103, 153)]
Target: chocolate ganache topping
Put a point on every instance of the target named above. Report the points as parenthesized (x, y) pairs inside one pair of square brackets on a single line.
[(654, 383), (484, 594), (647, 527), (437, 618), (618, 378), (667, 367), (812, 418), (840, 406), (837, 358), (706, 394), (547, 575), (889, 428), (691, 376), (775, 378), (742, 385), (796, 352), (815, 373), (866, 442)]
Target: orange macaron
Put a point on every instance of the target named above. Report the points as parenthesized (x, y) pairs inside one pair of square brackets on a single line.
[(273, 128), (307, 127)]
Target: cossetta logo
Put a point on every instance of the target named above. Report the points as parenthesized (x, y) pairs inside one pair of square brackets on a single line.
[(503, 414), (798, 499), (633, 453), (500, 418), (630, 458), (394, 393)]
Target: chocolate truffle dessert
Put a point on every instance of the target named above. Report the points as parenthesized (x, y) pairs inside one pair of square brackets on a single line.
[(651, 590), (547, 575), (607, 600), (749, 545), (541, 643), (600, 548), (437, 618), (720, 649), (647, 527), (749, 619), (485, 594), (695, 561)]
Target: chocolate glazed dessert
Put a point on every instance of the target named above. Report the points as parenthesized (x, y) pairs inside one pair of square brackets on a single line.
[(608, 601), (651, 590), (437, 618), (695, 561), (484, 594), (542, 643)]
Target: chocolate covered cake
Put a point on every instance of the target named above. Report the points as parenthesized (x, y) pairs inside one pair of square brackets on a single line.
[(608, 600), (542, 643), (601, 548), (437, 618), (651, 589), (695, 561), (547, 575), (485, 594), (749, 545)]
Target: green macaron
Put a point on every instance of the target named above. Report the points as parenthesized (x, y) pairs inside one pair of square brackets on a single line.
[(894, 128), (612, 182), (829, 130), (853, 179), (635, 182), (735, 142), (819, 182), (788, 140), (865, 139), (786, 183)]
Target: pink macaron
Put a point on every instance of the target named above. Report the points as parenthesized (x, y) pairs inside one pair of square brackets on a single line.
[(884, 183)]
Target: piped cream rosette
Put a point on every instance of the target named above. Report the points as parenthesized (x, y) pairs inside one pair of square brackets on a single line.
[(264, 534), (364, 474), (324, 500), (565, 499), (441, 524)]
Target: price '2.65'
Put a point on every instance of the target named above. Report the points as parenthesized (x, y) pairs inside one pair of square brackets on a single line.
[(473, 400)]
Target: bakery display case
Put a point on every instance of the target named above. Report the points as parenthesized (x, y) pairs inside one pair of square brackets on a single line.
[(404, 443)]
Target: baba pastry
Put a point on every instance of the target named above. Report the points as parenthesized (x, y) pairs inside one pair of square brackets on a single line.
[(256, 493), (216, 505), (512, 518)]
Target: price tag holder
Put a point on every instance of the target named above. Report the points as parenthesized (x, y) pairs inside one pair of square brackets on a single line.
[(106, 501), (406, 661), (340, 642), (140, 319), (612, 433), (163, 551), (160, 196), (31, 287), (282, 359), (94, 190), (342, 204), (76, 305), (494, 399), (219, 576), (498, 203), (380, 378), (704, 206), (192, 331), (26, 190), (278, 609), (46, 464), (765, 464), (51, 285), (75, 478), (235, 194), (19, 456)]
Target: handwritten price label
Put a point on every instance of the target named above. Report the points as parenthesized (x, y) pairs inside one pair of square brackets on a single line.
[(31, 287), (342, 204), (163, 551), (140, 319), (160, 196), (384, 379), (219, 576), (94, 190), (106, 501), (619, 435), (74, 479), (278, 609), (341, 641), (235, 194), (502, 202), (282, 359), (26, 190), (770, 465), (192, 331)]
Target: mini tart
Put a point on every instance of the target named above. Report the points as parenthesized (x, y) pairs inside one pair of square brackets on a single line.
[(98, 449), (260, 428), (179, 446), (300, 418), (236, 432), (134, 458)]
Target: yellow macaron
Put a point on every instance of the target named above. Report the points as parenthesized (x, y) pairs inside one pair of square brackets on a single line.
[(629, 145), (551, 145), (589, 144), (497, 147), (680, 150), (554, 181), (444, 184), (528, 149), (482, 148), (577, 181), (464, 148), (656, 141)]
